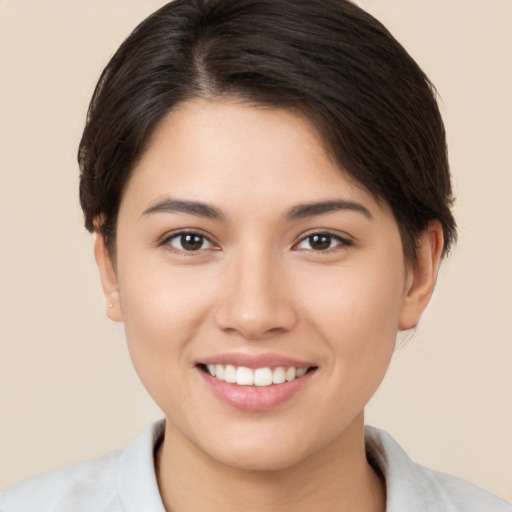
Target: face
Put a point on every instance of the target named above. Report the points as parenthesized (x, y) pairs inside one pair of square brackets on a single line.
[(261, 289)]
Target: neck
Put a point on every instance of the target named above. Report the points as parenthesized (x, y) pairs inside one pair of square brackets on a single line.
[(336, 478)]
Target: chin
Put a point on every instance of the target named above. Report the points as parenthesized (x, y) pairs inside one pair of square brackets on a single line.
[(262, 450), (258, 460)]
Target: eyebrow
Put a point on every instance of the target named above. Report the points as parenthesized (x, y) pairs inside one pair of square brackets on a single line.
[(311, 209), (180, 206), (299, 211)]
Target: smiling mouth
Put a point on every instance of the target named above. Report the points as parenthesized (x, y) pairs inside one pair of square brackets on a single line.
[(261, 377)]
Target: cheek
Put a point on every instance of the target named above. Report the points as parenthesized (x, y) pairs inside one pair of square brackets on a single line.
[(163, 309), (356, 310), (361, 298)]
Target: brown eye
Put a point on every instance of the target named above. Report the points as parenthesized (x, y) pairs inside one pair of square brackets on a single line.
[(322, 242), (189, 242)]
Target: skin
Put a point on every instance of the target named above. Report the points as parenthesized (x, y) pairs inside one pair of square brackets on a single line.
[(258, 284)]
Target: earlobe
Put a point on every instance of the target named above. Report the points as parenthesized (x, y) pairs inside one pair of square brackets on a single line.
[(422, 276), (108, 278)]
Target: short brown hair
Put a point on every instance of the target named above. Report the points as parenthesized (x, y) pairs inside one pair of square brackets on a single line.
[(373, 105)]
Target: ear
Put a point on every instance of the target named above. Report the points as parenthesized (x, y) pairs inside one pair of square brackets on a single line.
[(422, 275), (108, 278)]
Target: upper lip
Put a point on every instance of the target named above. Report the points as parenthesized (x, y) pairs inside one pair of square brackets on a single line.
[(266, 360)]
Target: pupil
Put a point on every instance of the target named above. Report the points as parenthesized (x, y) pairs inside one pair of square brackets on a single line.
[(320, 242), (192, 242)]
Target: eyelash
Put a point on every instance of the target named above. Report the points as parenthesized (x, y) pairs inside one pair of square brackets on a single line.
[(341, 242), (181, 234)]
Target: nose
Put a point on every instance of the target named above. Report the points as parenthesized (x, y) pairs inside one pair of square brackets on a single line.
[(256, 301)]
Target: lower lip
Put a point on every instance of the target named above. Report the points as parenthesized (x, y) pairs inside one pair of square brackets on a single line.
[(255, 398)]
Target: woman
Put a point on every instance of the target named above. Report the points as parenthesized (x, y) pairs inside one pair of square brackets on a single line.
[(268, 185)]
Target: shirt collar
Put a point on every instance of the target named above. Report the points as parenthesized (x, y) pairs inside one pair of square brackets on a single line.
[(136, 478)]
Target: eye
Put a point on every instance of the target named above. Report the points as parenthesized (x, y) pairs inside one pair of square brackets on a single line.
[(321, 242), (189, 242)]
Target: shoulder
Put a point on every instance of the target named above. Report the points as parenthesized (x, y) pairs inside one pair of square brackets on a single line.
[(465, 496), (84, 486), (121, 481), (412, 487)]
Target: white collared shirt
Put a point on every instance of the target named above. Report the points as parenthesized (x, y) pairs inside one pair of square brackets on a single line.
[(125, 481)]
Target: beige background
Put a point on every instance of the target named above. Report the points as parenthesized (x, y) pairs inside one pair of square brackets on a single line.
[(67, 390)]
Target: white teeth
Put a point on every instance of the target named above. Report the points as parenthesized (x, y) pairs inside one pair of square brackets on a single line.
[(301, 372), (230, 374), (244, 376), (261, 377), (291, 374), (219, 371), (279, 375)]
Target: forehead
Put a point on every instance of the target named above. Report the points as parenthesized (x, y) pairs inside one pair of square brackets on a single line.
[(227, 152)]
